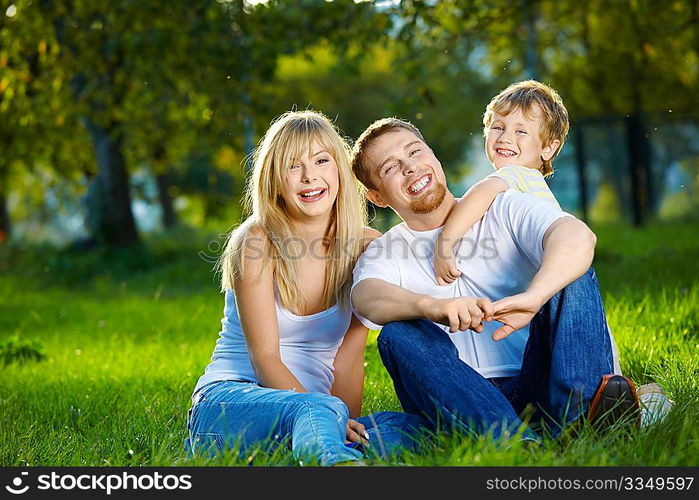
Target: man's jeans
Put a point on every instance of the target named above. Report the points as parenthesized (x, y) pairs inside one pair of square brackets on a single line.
[(568, 351), (229, 414)]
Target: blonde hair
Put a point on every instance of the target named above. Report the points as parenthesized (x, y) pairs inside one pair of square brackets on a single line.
[(373, 132), (287, 139), (524, 96)]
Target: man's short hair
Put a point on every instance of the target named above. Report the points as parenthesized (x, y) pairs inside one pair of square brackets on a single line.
[(373, 132), (524, 96)]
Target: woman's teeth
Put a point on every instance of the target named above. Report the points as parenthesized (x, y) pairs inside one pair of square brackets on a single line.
[(311, 194)]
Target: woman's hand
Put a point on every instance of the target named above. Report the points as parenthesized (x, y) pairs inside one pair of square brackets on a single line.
[(356, 432)]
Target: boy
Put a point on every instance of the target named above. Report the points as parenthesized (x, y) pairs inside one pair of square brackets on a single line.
[(525, 126)]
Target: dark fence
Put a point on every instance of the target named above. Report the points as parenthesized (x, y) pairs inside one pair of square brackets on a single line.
[(630, 168)]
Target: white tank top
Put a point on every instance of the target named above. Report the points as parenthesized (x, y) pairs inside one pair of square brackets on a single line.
[(308, 345)]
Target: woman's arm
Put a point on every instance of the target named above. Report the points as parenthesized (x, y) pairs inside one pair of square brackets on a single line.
[(258, 317), (349, 360), (349, 368)]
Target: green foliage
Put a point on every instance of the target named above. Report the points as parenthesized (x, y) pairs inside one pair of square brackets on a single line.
[(153, 83), (603, 57), (178, 86), (16, 350)]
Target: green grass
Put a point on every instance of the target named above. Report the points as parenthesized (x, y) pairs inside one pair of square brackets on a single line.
[(126, 335)]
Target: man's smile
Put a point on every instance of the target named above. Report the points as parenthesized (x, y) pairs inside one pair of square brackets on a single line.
[(420, 185)]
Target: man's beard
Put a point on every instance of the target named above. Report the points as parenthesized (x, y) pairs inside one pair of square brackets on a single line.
[(430, 201)]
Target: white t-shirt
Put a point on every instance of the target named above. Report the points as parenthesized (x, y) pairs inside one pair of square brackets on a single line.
[(497, 258)]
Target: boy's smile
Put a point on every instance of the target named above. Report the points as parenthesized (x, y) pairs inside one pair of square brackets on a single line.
[(514, 139)]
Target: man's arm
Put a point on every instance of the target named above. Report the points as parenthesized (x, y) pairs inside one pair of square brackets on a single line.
[(569, 246), (383, 302)]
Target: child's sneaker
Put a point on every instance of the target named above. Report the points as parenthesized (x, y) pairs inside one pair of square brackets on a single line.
[(655, 405)]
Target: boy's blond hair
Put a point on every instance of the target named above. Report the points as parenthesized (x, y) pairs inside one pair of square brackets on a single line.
[(524, 96)]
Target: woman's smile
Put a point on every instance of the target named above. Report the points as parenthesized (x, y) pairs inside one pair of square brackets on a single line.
[(312, 195)]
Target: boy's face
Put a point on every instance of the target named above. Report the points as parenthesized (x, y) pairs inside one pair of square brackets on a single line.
[(514, 139)]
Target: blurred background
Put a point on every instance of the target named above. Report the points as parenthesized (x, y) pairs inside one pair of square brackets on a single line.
[(127, 118), (124, 131)]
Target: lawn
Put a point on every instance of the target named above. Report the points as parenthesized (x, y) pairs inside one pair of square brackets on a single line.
[(125, 335)]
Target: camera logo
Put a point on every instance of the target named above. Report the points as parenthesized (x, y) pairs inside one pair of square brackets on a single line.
[(17, 482)]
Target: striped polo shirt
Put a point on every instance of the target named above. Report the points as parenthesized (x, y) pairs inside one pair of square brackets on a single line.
[(526, 180)]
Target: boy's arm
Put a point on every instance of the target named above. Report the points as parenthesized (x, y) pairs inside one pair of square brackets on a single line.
[(468, 211)]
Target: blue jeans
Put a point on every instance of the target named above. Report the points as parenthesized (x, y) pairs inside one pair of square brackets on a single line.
[(567, 353), (229, 414)]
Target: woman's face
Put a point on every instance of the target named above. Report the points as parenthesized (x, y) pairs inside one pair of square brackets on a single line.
[(311, 185)]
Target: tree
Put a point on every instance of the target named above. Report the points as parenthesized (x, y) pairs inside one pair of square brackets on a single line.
[(34, 121), (622, 59)]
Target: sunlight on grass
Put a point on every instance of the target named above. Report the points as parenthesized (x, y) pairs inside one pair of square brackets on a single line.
[(125, 342)]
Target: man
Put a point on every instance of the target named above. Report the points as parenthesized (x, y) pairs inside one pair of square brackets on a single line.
[(451, 352)]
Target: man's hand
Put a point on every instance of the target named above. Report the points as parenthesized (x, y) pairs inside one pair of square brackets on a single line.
[(356, 433), (515, 312), (460, 313)]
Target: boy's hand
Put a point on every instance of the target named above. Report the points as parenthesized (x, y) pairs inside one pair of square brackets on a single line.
[(444, 262), (445, 270), (460, 313)]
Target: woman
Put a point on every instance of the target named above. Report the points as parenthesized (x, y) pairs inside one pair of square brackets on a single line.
[(289, 361)]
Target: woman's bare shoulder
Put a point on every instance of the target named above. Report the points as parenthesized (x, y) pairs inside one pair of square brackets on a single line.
[(252, 229), (251, 244)]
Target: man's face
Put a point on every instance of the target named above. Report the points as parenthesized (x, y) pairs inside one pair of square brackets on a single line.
[(514, 139), (406, 174)]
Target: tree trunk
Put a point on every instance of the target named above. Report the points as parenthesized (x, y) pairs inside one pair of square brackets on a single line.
[(108, 199), (639, 163), (4, 217), (169, 215), (531, 13), (581, 163)]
